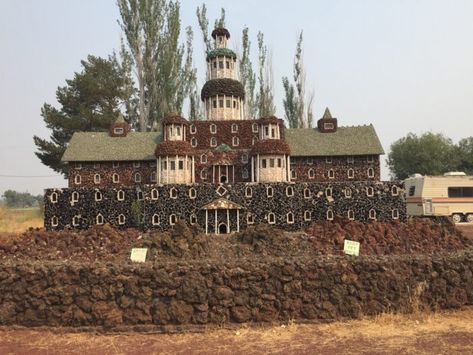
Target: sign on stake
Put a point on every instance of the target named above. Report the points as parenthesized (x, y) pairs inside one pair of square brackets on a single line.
[(351, 247), (138, 255)]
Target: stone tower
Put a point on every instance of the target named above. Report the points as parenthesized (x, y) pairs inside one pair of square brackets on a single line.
[(223, 95)]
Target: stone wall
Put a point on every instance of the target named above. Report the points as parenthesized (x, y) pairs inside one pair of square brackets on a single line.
[(293, 206), (190, 294)]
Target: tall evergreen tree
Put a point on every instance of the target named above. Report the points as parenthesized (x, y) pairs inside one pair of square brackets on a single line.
[(264, 98), (248, 77), (88, 102), (162, 67)]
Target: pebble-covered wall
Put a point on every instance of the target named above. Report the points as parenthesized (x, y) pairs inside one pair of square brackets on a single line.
[(285, 205)]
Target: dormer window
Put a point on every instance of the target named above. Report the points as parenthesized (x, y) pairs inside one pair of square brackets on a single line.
[(118, 130), (329, 126)]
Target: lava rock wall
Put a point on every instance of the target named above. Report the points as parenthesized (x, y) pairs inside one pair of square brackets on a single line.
[(293, 206), (202, 293)]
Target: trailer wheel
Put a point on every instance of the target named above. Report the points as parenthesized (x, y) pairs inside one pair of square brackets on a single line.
[(469, 217), (457, 217)]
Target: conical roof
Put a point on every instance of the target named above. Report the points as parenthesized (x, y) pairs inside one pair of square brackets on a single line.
[(327, 113)]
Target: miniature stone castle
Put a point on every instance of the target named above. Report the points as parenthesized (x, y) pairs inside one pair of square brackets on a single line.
[(225, 172)]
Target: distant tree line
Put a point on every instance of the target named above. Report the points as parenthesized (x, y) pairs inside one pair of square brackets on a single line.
[(14, 199), (429, 154)]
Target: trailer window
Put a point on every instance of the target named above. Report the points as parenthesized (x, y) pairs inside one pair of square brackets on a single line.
[(412, 190), (460, 192)]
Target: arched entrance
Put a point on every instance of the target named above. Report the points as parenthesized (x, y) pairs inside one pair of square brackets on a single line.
[(222, 228), (223, 179)]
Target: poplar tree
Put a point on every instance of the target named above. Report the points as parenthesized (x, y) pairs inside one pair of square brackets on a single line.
[(247, 76), (264, 98)]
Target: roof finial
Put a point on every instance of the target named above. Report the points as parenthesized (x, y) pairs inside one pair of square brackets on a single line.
[(120, 118), (327, 113)]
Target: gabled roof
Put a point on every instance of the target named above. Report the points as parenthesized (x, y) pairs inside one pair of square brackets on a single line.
[(100, 146), (357, 140)]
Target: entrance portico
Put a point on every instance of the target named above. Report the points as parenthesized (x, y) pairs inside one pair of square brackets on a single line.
[(222, 216)]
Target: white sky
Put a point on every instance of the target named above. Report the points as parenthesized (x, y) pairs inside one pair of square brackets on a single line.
[(402, 65)]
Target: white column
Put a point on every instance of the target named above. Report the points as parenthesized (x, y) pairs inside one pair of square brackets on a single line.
[(233, 174), (252, 169), (288, 168), (219, 173), (257, 167), (185, 169), (226, 170), (193, 171), (238, 220), (213, 174), (216, 226), (167, 169), (159, 170), (206, 221), (228, 220)]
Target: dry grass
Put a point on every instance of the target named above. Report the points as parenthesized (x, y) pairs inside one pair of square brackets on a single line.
[(19, 220)]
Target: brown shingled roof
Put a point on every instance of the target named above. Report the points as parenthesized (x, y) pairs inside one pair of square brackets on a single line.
[(270, 146), (175, 119), (174, 148), (220, 31)]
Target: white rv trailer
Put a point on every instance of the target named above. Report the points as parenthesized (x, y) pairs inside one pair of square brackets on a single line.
[(448, 195)]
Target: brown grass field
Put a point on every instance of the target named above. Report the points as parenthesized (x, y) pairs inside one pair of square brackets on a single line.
[(14, 221)]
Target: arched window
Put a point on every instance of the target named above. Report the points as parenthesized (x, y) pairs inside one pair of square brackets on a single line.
[(271, 218), (172, 219), (115, 178), (311, 174), (154, 194), (254, 128), (203, 158), (269, 191), (192, 193), (97, 179), (248, 192), (348, 193), (250, 219), (331, 174), (290, 218), (98, 195), (395, 213), (54, 221), (369, 191), (234, 128), (351, 215), (307, 215), (193, 129), (155, 220), (194, 142), (75, 197), (394, 190), (244, 158), (173, 192), (351, 173), (121, 220), (213, 128), (244, 174), (139, 195), (203, 174), (77, 180), (370, 172), (293, 174), (137, 177), (329, 215), (213, 142), (120, 195), (99, 219), (193, 219), (76, 221), (136, 164), (328, 192), (153, 176), (372, 214), (235, 141), (307, 193), (53, 198), (289, 191)]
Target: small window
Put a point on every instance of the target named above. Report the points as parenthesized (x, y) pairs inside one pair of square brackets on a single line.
[(311, 174), (173, 192), (97, 179), (137, 177), (329, 215), (115, 164), (77, 180), (461, 191), (289, 191), (412, 190), (350, 160), (136, 165), (53, 198), (293, 174), (371, 173), (263, 163), (348, 192), (331, 174), (254, 140), (213, 142), (328, 160), (254, 128), (139, 195), (279, 162), (372, 214), (328, 126), (54, 221), (153, 176), (193, 129), (213, 128), (271, 162), (369, 191), (192, 193), (96, 165), (235, 141), (351, 173), (244, 158), (178, 130), (244, 174), (307, 215), (203, 158), (118, 130), (193, 219), (115, 178), (154, 194), (220, 62), (328, 192), (220, 103), (155, 220), (307, 193), (309, 161), (98, 196), (120, 195), (290, 218), (394, 191), (181, 164), (351, 215), (269, 191), (214, 103), (228, 64), (75, 196), (164, 165), (121, 220), (370, 159), (194, 142), (215, 64), (76, 221), (248, 192), (271, 218), (172, 219), (172, 165), (395, 213), (203, 174), (250, 219), (234, 103), (153, 164), (228, 103), (234, 128), (78, 166), (99, 219)]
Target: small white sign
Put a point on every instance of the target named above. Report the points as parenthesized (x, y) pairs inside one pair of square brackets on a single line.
[(138, 255), (351, 247)]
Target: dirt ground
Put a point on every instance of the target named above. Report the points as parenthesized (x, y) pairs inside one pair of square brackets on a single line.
[(466, 228), (439, 333)]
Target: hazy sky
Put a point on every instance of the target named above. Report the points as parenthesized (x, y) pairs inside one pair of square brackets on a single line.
[(402, 65)]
